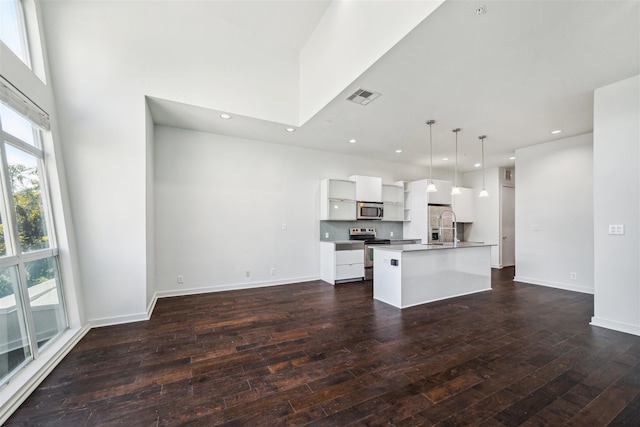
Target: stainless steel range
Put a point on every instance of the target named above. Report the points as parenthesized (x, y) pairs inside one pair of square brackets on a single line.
[(368, 235)]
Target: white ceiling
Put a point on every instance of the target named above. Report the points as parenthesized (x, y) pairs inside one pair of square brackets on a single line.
[(514, 73)]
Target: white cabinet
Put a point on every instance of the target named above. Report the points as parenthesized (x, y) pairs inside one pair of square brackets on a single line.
[(393, 199), (464, 205), (341, 261), (368, 188), (442, 196), (393, 212), (392, 194), (337, 200), (416, 214)]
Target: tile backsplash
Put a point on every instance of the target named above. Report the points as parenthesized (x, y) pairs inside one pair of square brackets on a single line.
[(339, 230)]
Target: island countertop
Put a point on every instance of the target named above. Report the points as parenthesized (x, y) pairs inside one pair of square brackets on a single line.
[(431, 246)]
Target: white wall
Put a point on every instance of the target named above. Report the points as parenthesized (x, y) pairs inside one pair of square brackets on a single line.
[(221, 203), (101, 80), (554, 214), (486, 225), (616, 187)]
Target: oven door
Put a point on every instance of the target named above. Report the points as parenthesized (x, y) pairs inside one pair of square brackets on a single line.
[(368, 255)]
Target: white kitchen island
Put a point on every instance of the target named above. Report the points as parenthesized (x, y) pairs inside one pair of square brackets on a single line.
[(408, 275)]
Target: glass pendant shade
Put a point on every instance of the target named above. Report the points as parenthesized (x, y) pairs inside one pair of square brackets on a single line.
[(483, 193), (455, 191), (431, 188)]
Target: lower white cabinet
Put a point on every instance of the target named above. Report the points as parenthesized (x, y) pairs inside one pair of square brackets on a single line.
[(341, 261)]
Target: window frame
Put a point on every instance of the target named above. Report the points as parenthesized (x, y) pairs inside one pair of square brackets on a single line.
[(15, 257), (23, 34)]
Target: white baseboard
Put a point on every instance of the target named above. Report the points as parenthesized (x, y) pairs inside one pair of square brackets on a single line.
[(118, 320), (152, 305), (616, 326), (231, 287), (557, 285), (26, 381)]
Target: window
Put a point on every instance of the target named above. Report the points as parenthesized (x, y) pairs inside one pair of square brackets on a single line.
[(12, 29), (31, 301)]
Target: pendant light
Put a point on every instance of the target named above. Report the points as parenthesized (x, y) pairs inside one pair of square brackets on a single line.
[(483, 192), (455, 191), (431, 187)]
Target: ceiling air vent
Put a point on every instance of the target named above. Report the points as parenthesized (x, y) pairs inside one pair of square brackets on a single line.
[(362, 96)]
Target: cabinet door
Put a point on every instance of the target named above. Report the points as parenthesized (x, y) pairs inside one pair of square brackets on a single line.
[(464, 205), (368, 188), (350, 257), (393, 212), (443, 195), (392, 194), (349, 271), (341, 210), (343, 190)]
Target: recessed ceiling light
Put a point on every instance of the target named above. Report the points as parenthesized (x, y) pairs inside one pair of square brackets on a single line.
[(554, 132), (512, 158), (352, 141), (290, 129), (225, 116), (398, 151), (477, 165), (445, 158)]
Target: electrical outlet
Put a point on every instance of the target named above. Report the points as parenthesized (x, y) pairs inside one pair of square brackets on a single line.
[(284, 227), (616, 229), (326, 235), (180, 278), (273, 271), (574, 276), (247, 273), (391, 234)]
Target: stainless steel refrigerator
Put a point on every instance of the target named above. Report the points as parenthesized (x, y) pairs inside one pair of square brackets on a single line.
[(433, 225)]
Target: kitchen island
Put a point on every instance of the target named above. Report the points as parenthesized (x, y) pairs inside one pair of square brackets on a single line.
[(408, 275)]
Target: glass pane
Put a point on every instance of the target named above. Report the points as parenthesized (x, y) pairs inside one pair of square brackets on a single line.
[(11, 28), (27, 198), (45, 298), (14, 345), (17, 125)]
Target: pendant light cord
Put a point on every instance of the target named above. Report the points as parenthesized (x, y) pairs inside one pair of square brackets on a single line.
[(430, 123)]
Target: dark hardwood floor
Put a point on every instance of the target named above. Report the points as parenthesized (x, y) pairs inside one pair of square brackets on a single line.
[(316, 354)]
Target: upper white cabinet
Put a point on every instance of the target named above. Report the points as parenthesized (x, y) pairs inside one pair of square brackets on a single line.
[(368, 188), (392, 194), (464, 205), (393, 199), (337, 200), (442, 196)]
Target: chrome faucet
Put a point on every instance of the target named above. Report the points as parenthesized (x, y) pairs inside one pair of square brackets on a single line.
[(453, 226)]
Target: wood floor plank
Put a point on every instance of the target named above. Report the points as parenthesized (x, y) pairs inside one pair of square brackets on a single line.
[(315, 354)]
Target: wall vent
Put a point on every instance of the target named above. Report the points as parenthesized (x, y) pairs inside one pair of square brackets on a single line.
[(363, 96)]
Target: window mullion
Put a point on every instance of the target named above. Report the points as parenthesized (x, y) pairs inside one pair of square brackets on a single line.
[(18, 143), (28, 312), (11, 235)]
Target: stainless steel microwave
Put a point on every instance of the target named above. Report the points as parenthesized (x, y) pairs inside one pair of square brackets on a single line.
[(370, 210)]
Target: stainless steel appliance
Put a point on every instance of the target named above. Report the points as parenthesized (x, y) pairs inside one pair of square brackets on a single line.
[(370, 210), (434, 224), (368, 235)]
